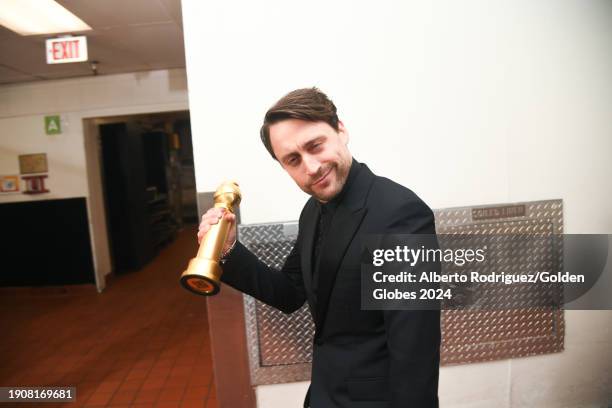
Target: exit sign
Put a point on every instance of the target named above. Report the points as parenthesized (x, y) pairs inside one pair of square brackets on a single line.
[(66, 49)]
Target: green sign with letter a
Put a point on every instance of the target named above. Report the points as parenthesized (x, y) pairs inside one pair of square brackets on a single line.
[(52, 125)]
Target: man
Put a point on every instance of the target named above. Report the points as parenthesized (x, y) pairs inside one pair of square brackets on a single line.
[(361, 358)]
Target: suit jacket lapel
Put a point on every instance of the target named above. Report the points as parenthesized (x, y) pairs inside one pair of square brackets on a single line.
[(308, 230), (343, 228)]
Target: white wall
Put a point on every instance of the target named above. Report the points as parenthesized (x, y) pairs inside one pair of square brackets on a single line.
[(70, 155), (465, 102)]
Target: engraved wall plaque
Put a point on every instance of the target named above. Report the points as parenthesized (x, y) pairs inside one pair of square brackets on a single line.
[(33, 163), (497, 213)]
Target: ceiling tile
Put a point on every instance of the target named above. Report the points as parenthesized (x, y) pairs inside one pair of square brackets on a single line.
[(6, 34), (173, 7), (23, 54), (9, 75), (112, 13), (151, 43)]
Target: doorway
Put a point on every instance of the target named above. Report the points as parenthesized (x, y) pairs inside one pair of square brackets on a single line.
[(142, 187)]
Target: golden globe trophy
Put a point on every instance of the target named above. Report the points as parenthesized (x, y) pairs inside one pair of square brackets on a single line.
[(203, 274)]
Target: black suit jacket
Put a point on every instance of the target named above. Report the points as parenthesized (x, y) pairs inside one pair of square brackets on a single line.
[(361, 358)]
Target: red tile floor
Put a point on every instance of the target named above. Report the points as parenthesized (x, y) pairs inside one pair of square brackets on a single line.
[(143, 342)]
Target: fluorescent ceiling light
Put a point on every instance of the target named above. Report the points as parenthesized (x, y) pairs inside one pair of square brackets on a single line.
[(32, 17)]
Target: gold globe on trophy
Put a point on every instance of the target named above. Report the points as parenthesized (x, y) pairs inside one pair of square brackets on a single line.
[(203, 274)]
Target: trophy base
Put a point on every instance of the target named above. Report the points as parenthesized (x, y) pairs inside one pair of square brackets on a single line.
[(202, 277)]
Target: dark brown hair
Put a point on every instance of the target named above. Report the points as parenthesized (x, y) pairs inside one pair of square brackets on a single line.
[(309, 104)]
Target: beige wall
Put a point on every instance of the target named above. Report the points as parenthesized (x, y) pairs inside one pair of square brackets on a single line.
[(465, 102), (72, 155)]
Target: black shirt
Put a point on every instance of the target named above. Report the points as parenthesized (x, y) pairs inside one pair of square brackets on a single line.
[(326, 215)]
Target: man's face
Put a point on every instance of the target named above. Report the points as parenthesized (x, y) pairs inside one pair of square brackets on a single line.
[(314, 154)]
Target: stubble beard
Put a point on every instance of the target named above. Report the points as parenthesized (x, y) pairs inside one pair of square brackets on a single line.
[(340, 180)]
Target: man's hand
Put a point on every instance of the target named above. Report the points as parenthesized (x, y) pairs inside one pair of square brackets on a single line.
[(212, 217)]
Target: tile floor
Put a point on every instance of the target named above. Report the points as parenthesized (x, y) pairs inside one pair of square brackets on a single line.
[(143, 342)]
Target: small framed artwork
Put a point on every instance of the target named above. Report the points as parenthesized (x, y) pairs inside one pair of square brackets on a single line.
[(33, 163), (9, 184)]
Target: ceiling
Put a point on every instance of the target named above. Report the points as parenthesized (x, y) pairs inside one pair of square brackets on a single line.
[(127, 36)]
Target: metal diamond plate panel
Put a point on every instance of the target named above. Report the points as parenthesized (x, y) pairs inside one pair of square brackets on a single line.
[(280, 345), (483, 335)]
